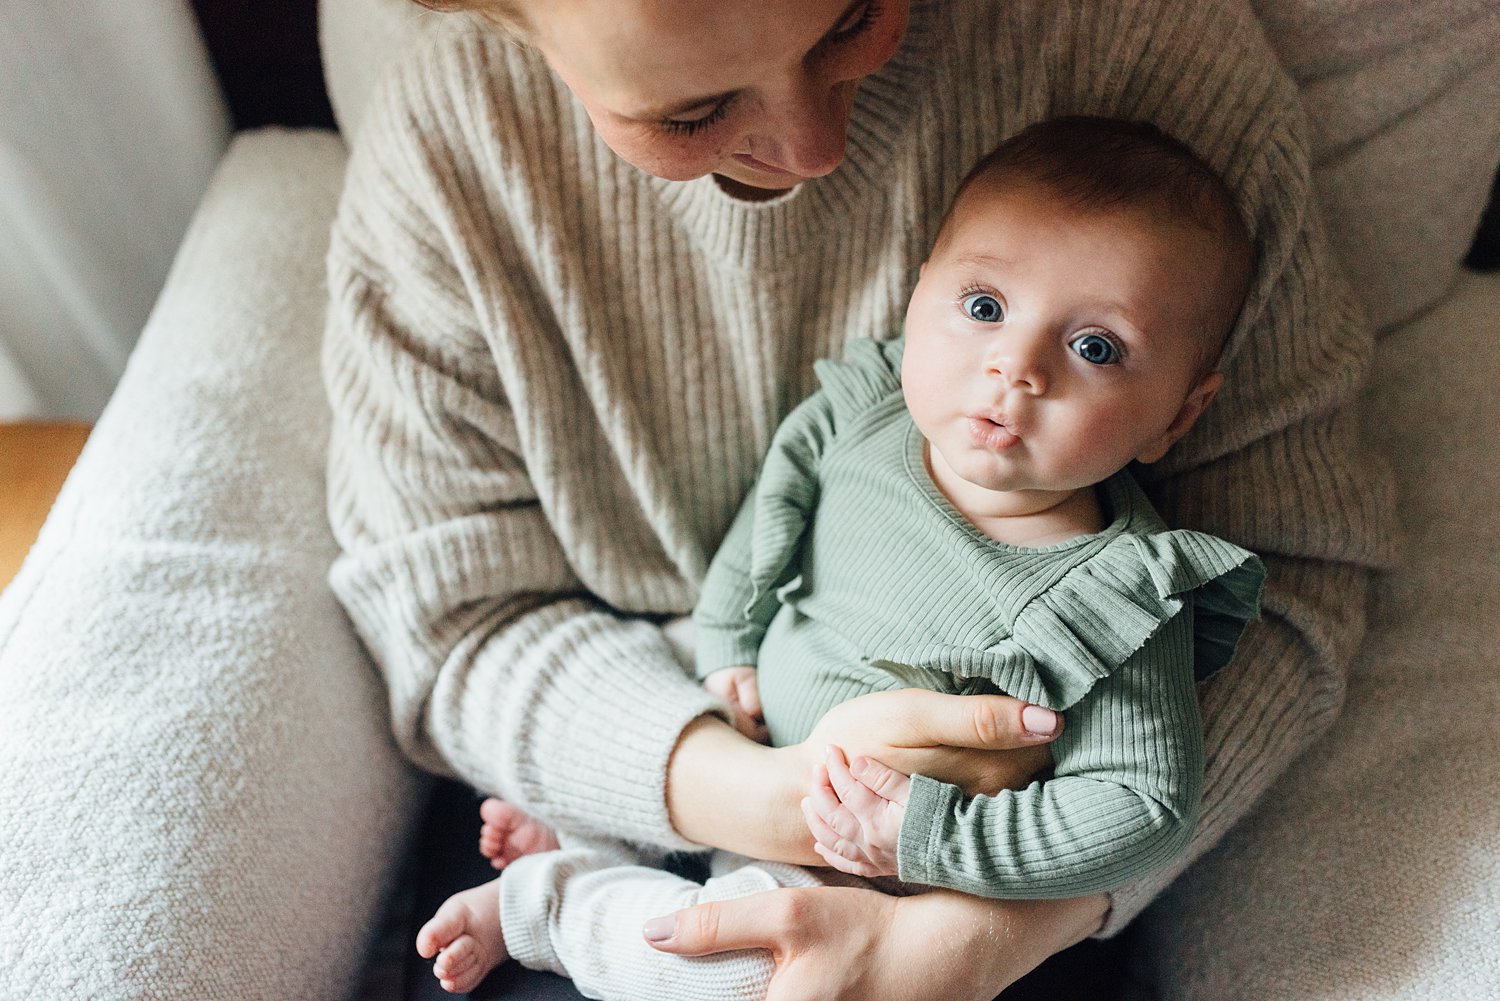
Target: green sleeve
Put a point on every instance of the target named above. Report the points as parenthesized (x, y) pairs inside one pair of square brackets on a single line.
[(1121, 802), (758, 556)]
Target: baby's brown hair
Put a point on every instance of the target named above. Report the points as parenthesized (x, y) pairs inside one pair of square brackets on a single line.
[(1106, 163)]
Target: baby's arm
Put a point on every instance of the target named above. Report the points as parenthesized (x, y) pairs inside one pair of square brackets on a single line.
[(1129, 769)]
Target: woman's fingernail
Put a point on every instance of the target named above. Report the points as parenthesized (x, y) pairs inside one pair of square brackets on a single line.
[(1038, 721), (660, 929)]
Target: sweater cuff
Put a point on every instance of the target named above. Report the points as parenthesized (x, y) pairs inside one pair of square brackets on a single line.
[(929, 805), (592, 743)]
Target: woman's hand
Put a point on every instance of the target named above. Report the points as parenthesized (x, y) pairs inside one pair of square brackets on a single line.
[(725, 791), (951, 738), (841, 944)]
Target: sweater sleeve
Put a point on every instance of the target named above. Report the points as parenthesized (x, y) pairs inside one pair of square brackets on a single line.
[(501, 667), (1275, 465), (1121, 802)]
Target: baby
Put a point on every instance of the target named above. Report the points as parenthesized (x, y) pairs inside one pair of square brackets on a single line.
[(952, 511)]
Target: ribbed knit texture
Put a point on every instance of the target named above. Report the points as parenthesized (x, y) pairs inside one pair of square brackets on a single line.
[(553, 378), (847, 571)]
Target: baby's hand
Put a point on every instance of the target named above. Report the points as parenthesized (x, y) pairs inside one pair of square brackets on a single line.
[(737, 688), (855, 812)]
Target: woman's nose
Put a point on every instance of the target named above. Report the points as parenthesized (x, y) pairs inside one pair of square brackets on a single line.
[(809, 128)]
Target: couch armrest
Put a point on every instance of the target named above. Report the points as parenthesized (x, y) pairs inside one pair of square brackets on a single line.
[(1371, 869), (200, 793)]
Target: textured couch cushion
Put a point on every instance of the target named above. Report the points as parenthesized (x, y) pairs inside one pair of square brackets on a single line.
[(200, 792), (1371, 872)]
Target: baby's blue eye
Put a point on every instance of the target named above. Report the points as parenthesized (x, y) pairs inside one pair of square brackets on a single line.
[(1096, 350), (983, 307)]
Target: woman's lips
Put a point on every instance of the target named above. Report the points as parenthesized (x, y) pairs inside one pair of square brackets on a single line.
[(760, 165), (991, 434)]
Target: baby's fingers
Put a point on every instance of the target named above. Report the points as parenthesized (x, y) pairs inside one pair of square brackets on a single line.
[(882, 780), (851, 791), (843, 864), (834, 815), (747, 693)]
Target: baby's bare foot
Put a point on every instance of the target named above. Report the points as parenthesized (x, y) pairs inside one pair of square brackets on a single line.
[(510, 832), (465, 937)]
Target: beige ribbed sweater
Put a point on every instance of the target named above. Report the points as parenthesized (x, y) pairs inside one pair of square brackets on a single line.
[(553, 378)]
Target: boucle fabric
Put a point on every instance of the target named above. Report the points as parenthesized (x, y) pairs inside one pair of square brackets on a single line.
[(199, 791), (553, 377)]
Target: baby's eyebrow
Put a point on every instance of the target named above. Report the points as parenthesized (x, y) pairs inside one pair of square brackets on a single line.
[(974, 259)]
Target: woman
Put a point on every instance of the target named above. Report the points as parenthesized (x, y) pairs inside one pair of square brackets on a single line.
[(583, 264)]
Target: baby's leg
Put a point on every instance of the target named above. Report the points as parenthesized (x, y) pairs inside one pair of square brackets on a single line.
[(580, 912), (509, 832)]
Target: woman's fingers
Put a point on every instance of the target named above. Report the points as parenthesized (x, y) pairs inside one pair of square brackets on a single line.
[(757, 921), (983, 721)]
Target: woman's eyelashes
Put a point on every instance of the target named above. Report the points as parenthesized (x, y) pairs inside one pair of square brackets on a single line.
[(856, 22), (692, 126)]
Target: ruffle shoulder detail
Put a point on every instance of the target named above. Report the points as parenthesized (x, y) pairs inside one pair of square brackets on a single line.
[(869, 373), (1105, 609)]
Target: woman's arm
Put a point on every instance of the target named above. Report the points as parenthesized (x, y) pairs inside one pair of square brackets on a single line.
[(726, 791), (501, 666)]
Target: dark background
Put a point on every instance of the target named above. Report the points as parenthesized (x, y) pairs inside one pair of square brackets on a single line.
[(266, 56)]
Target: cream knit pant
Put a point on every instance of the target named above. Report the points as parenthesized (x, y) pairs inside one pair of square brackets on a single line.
[(579, 912)]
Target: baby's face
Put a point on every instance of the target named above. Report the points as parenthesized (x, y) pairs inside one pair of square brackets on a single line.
[(1048, 346)]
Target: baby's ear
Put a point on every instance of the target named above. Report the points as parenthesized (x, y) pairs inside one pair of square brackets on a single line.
[(1198, 399)]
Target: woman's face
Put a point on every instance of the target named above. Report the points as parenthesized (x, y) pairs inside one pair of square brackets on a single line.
[(756, 91)]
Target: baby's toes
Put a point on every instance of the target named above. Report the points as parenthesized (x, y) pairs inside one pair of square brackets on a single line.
[(456, 958), (441, 929), (458, 968)]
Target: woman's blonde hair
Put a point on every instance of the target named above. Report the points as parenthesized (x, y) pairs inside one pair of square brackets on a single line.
[(505, 13)]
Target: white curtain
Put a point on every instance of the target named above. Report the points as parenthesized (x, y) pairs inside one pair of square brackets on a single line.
[(110, 124)]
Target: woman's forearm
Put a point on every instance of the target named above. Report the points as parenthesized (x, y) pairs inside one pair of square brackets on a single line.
[(729, 792), (996, 942)]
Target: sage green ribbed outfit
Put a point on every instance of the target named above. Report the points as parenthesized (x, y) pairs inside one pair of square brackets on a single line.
[(553, 379), (847, 572)]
